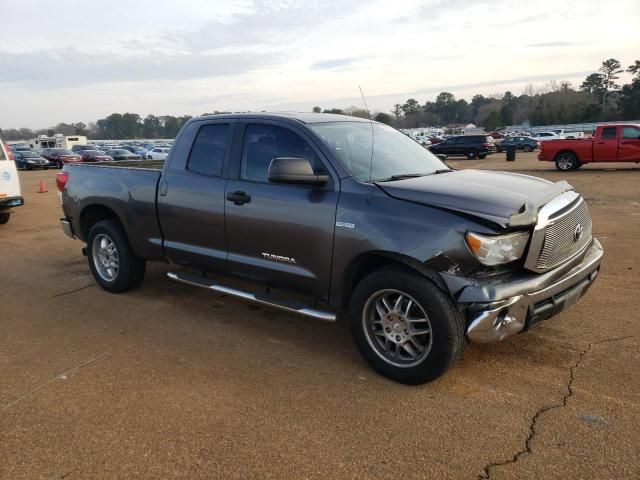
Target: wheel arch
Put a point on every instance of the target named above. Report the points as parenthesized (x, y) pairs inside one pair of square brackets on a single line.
[(94, 213), (368, 262), (566, 150)]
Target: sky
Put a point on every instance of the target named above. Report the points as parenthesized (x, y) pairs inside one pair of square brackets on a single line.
[(74, 60)]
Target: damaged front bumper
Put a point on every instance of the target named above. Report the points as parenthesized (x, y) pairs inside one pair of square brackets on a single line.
[(498, 308)]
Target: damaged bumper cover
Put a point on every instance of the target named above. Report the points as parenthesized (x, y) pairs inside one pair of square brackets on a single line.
[(500, 307)]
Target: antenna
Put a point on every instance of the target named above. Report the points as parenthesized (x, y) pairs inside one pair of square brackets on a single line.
[(372, 134)]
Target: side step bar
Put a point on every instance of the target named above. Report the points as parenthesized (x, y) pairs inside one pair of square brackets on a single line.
[(203, 282)]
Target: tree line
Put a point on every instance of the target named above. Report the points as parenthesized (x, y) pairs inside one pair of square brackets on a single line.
[(600, 97)]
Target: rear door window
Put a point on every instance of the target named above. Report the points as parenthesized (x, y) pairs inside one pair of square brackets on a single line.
[(207, 153)]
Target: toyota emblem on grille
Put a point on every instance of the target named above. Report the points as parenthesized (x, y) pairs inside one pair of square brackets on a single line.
[(577, 232)]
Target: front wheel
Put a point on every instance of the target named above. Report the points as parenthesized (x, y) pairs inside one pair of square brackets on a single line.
[(527, 148), (567, 161), (112, 262), (4, 217), (471, 154), (405, 327), (149, 157)]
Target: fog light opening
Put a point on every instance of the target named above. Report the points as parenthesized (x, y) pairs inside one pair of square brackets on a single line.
[(503, 319)]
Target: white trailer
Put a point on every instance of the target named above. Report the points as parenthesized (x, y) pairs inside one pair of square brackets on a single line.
[(57, 141)]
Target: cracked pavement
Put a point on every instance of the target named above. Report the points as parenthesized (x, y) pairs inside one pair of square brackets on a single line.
[(173, 382)]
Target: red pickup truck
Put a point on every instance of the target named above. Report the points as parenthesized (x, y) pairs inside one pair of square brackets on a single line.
[(610, 143)]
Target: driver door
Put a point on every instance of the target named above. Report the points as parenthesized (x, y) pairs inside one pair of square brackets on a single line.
[(277, 234)]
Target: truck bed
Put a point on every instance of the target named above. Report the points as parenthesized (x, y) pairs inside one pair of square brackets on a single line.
[(128, 189)]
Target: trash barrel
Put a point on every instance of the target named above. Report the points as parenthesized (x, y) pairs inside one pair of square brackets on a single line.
[(511, 153)]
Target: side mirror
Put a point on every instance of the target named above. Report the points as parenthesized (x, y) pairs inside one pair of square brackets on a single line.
[(295, 170)]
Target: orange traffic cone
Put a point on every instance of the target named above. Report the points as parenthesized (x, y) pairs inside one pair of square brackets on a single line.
[(42, 188)]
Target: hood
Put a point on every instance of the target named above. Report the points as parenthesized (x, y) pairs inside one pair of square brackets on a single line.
[(508, 199)]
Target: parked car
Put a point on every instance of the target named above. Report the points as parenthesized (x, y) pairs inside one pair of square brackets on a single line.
[(122, 154), (21, 147), (611, 143), (10, 195), (28, 160), (542, 136), (527, 144), (58, 157), (92, 156), (140, 151), (80, 148), (158, 153), (351, 213), (471, 146), (497, 135)]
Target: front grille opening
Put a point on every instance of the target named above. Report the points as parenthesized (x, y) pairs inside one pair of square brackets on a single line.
[(565, 237)]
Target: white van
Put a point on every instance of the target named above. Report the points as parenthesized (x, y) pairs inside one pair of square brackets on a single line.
[(9, 184)]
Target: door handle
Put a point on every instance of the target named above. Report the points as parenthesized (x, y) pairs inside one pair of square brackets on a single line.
[(601, 143), (163, 188), (238, 198)]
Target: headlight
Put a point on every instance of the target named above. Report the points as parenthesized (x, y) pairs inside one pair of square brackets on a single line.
[(498, 249)]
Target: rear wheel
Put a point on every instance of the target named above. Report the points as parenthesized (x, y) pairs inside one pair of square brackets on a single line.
[(112, 262), (527, 148), (566, 161), (405, 327), (471, 154), (4, 217)]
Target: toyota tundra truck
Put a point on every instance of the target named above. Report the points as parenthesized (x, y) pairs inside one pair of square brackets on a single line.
[(610, 143), (10, 196), (320, 214)]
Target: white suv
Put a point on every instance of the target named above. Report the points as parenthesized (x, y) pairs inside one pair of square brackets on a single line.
[(540, 136), (9, 184), (158, 153)]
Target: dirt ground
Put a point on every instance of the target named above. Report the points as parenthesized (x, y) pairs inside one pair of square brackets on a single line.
[(169, 381)]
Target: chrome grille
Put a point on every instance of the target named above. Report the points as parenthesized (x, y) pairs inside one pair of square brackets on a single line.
[(560, 242)]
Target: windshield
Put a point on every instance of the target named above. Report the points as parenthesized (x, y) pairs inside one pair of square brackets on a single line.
[(394, 154), (62, 151)]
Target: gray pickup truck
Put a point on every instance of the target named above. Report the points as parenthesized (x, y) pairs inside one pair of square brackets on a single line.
[(341, 214)]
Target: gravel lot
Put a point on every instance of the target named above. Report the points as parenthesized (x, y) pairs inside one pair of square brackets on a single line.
[(174, 382)]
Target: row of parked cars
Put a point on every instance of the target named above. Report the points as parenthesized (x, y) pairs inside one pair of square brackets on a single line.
[(28, 159), (479, 146)]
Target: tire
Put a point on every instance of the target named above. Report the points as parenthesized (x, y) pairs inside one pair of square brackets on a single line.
[(4, 217), (46, 168), (566, 161), (442, 347), (125, 270), (527, 148), (471, 154), (149, 157)]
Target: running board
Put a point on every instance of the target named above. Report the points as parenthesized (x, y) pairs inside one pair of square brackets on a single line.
[(203, 282)]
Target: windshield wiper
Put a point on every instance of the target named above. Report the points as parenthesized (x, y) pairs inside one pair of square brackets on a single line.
[(413, 175), (402, 177)]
